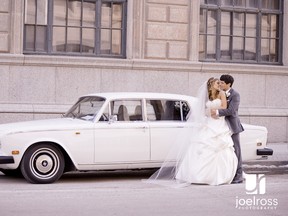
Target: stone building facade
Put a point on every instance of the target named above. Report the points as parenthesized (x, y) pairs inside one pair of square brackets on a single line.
[(161, 55)]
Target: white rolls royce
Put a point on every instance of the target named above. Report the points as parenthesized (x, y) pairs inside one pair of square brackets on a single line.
[(106, 131)]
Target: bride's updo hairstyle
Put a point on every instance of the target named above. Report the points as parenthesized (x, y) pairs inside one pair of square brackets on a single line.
[(212, 94)]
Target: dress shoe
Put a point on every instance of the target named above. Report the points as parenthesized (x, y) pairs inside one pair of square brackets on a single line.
[(237, 182)]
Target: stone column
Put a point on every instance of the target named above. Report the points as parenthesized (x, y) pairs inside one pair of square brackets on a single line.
[(194, 30), (5, 31), (285, 34), (17, 22)]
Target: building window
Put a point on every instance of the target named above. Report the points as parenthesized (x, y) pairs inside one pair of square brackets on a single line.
[(248, 31), (76, 27)]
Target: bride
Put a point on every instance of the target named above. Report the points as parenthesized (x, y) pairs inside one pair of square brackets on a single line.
[(208, 157)]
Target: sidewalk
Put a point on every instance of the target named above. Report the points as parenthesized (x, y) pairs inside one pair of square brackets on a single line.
[(277, 162)]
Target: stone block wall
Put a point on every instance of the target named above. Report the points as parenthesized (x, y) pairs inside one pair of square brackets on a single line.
[(167, 29)]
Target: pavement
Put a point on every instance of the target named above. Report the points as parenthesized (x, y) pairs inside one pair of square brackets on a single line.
[(277, 163)]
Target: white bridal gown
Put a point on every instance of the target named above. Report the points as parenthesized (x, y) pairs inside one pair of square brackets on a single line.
[(210, 159)]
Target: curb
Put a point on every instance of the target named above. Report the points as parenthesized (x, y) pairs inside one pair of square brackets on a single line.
[(265, 163), (272, 167)]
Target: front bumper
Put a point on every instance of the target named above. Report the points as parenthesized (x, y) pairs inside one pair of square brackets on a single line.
[(265, 152), (6, 159)]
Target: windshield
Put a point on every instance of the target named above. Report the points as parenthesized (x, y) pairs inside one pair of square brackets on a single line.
[(86, 108)]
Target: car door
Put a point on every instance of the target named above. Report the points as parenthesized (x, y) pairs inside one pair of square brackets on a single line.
[(166, 119), (125, 137)]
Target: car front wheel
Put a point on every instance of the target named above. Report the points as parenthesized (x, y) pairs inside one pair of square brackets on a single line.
[(42, 164)]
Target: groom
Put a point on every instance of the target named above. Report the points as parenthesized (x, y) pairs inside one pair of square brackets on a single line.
[(232, 119)]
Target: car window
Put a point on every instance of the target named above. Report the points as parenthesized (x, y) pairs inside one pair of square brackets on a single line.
[(127, 110), (163, 110), (86, 108), (151, 114)]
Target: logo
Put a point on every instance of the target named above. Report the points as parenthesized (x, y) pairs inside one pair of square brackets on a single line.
[(254, 200), (255, 184)]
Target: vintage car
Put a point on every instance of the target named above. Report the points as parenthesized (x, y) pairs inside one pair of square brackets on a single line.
[(106, 131)]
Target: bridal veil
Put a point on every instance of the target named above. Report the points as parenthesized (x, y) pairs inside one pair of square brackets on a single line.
[(187, 138)]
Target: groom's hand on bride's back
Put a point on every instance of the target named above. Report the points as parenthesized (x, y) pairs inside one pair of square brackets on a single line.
[(214, 113)]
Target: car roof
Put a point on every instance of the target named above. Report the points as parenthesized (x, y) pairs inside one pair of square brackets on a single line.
[(135, 95)]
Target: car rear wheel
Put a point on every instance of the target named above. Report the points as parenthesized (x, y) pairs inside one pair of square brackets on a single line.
[(42, 164)]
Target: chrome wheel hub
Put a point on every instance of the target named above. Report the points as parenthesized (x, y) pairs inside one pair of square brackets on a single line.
[(44, 163)]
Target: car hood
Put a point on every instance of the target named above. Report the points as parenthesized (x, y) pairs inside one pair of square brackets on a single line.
[(43, 125)]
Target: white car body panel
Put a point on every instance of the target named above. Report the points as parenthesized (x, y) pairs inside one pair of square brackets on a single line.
[(250, 140), (75, 136), (125, 142), (163, 136)]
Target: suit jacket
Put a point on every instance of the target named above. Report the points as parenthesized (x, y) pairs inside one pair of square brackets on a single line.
[(231, 113)]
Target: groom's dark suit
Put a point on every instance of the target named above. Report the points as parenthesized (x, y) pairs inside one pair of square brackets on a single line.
[(233, 121)]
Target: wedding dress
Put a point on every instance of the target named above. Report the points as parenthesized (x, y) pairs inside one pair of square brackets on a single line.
[(203, 153), (210, 158)]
